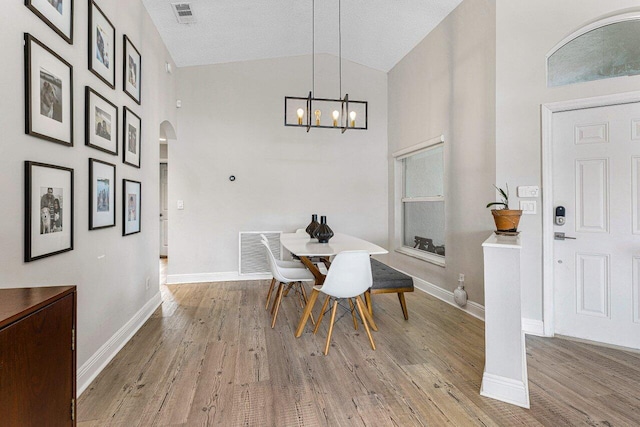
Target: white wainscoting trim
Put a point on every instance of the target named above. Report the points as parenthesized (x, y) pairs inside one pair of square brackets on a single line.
[(533, 327), (473, 308), (505, 389), (96, 363), (224, 276)]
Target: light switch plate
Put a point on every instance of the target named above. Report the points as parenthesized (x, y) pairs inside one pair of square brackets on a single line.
[(529, 191), (529, 207), (180, 204)]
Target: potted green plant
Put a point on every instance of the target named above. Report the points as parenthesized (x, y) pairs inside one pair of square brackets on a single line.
[(506, 219)]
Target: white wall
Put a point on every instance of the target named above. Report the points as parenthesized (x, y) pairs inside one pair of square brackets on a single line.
[(446, 85), (111, 290), (526, 32), (231, 123)]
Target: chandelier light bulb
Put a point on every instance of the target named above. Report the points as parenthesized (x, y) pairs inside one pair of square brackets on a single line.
[(300, 115), (336, 114), (352, 116), (318, 113)]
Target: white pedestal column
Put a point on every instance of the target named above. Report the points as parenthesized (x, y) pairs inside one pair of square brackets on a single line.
[(505, 368)]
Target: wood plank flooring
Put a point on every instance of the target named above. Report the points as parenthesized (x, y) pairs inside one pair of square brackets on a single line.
[(208, 357)]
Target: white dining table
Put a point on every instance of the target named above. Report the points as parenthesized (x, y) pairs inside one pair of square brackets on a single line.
[(306, 247)]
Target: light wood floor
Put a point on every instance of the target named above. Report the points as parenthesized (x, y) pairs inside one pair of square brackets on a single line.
[(209, 357)]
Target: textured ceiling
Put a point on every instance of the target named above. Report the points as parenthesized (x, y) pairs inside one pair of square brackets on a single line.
[(375, 33)]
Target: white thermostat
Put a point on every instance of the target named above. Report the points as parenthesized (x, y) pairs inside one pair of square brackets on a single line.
[(529, 191)]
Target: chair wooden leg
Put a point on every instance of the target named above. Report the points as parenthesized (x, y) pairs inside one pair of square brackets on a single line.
[(364, 322), (307, 311), (277, 306), (273, 306), (333, 319), (403, 304), (372, 323), (353, 314), (367, 297), (273, 282), (324, 308), (289, 286), (306, 301)]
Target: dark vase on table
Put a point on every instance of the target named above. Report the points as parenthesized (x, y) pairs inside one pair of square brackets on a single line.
[(323, 232), (313, 225)]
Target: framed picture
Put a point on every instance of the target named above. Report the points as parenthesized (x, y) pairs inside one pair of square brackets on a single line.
[(102, 194), (102, 46), (131, 138), (100, 122), (131, 207), (57, 14), (48, 225), (132, 76), (48, 93)]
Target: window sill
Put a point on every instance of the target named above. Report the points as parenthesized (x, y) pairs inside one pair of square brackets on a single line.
[(433, 259)]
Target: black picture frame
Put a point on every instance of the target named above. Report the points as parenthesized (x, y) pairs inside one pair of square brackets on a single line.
[(52, 233), (102, 45), (47, 13), (131, 70), (131, 207), (131, 138), (100, 122), (48, 93), (102, 194)]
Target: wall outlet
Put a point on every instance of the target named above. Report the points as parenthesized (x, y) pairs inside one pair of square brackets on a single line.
[(146, 283), (180, 204), (460, 277)]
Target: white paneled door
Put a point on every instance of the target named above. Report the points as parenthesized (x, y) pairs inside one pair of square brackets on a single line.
[(596, 178), (164, 211)]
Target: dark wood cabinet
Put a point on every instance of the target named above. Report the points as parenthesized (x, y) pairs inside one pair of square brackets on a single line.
[(37, 356)]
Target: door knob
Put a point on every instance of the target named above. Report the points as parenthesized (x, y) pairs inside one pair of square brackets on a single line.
[(561, 236)]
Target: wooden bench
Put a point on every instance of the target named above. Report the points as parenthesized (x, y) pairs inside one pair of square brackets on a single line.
[(388, 280)]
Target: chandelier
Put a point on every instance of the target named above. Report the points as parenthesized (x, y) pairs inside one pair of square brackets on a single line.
[(311, 112)]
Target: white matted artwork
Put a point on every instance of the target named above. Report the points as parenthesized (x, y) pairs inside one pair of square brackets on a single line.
[(132, 77), (49, 93), (101, 122), (49, 210), (102, 46), (131, 141), (102, 193), (57, 14), (131, 206)]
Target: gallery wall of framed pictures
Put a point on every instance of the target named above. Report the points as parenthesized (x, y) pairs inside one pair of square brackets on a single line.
[(49, 107)]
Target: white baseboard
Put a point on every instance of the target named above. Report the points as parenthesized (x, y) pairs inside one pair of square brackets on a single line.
[(96, 363), (473, 308), (505, 389), (533, 327), (225, 276)]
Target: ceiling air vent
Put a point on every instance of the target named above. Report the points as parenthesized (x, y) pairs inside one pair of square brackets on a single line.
[(183, 12)]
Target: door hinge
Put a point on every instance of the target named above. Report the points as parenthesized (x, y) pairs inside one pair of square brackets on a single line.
[(73, 409), (73, 339)]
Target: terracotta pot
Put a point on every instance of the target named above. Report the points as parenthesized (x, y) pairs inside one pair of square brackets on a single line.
[(506, 219)]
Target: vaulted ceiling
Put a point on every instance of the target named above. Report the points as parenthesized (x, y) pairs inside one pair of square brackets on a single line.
[(375, 33)]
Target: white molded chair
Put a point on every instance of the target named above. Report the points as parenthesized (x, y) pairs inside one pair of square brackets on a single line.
[(348, 278), (291, 277), (280, 263)]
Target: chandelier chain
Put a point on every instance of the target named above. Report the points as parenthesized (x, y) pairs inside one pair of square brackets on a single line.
[(313, 47), (340, 42)]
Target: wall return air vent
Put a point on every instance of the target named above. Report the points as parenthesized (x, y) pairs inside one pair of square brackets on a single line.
[(184, 13)]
